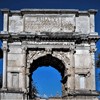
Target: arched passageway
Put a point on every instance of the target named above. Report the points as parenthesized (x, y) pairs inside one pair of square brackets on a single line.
[(47, 60)]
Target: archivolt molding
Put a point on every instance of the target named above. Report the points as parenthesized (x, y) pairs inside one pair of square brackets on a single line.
[(33, 55)]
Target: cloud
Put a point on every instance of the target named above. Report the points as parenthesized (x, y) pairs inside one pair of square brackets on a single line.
[(45, 96)]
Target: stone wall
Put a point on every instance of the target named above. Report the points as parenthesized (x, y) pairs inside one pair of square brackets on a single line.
[(11, 95), (64, 39)]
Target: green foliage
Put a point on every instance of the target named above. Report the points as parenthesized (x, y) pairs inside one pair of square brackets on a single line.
[(34, 91), (1, 53), (0, 80), (98, 61)]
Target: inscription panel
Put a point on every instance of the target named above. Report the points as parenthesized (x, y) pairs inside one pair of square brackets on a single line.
[(49, 23)]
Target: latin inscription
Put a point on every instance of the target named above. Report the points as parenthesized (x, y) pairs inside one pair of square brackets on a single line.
[(49, 24)]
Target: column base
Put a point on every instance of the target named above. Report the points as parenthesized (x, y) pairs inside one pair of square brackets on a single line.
[(4, 89), (24, 90)]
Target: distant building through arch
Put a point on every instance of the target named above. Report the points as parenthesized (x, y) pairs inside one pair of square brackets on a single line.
[(60, 37)]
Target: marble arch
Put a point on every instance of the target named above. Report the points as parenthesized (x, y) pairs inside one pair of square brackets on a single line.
[(65, 35)]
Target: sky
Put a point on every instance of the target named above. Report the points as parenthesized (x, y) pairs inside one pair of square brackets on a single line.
[(51, 4), (49, 78)]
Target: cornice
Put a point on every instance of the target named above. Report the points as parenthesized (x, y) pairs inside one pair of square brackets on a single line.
[(65, 37), (49, 11)]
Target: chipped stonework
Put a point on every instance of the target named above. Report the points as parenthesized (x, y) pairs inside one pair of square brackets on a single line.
[(62, 38)]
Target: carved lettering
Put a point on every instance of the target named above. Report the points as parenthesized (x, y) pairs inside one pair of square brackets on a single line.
[(49, 24)]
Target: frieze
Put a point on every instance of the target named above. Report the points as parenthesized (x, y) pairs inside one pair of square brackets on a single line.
[(50, 43), (49, 23)]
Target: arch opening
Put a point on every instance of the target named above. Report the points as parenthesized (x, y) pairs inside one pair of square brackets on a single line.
[(47, 82), (47, 60)]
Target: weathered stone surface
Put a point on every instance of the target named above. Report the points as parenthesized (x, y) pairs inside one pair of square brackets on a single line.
[(64, 39), (11, 95), (49, 23)]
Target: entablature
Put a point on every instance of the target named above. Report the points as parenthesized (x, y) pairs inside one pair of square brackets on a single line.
[(50, 37)]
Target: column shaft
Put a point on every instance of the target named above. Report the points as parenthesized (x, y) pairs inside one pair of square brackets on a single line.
[(72, 70), (4, 68), (93, 70), (5, 27), (24, 69)]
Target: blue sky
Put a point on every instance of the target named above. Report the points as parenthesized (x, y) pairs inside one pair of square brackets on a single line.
[(56, 4), (47, 81)]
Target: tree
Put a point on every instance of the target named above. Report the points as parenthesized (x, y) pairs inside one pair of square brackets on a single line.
[(33, 91), (98, 61), (1, 53), (0, 80)]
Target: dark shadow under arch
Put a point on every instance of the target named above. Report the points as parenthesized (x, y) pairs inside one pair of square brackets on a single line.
[(48, 60)]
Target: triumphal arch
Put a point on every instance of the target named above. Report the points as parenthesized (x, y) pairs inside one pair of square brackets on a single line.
[(62, 38)]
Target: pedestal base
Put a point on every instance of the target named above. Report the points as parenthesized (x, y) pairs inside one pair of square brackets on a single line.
[(12, 95), (81, 95)]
